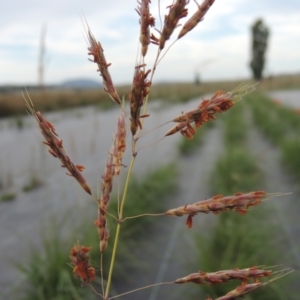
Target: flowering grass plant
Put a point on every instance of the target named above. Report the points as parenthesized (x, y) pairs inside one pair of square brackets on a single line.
[(186, 124)]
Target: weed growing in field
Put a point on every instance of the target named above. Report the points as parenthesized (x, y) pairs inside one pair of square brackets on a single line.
[(268, 115), (34, 183), (7, 197), (186, 123)]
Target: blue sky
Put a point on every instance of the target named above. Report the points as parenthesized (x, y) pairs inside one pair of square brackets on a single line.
[(219, 48)]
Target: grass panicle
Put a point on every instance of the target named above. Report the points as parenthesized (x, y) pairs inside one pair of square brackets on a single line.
[(206, 110), (196, 18), (177, 11), (225, 275), (240, 291), (140, 89), (247, 288), (146, 21), (119, 143), (56, 146), (96, 50), (240, 202), (103, 202), (80, 260)]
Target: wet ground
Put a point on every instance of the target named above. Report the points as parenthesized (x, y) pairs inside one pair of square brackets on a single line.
[(287, 97), (87, 135)]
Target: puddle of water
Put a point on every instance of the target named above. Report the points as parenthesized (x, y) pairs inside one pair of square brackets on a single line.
[(287, 97)]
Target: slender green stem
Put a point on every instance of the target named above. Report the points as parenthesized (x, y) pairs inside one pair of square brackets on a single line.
[(113, 257), (142, 288), (143, 215)]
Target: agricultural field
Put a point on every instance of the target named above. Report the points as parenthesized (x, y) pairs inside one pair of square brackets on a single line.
[(257, 141), (12, 102)]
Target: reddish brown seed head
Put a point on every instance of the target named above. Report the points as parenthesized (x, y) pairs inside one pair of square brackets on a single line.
[(207, 109), (240, 202), (80, 261), (223, 276), (189, 132), (196, 18), (119, 143), (56, 146), (96, 50), (241, 291), (176, 12), (146, 20), (140, 89)]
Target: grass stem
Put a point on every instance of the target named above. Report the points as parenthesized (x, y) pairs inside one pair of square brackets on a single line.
[(143, 215), (113, 257), (142, 288)]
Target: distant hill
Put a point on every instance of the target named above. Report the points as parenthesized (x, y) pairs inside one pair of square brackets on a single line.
[(80, 83)]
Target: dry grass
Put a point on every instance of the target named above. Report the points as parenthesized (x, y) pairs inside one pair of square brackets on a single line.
[(50, 100)]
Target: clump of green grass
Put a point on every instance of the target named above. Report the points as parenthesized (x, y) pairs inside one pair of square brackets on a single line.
[(7, 197), (235, 171), (19, 122), (290, 150), (276, 121), (234, 127), (281, 124), (269, 126), (33, 184), (47, 273)]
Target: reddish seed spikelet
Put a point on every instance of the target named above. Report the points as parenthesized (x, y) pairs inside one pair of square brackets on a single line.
[(103, 202), (189, 132), (240, 202), (196, 18), (56, 146), (140, 89), (176, 12), (80, 168), (119, 143), (146, 20), (225, 275), (80, 260), (246, 288), (241, 291), (154, 40), (97, 52), (206, 111)]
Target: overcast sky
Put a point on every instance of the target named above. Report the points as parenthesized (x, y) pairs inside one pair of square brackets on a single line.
[(219, 48)]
